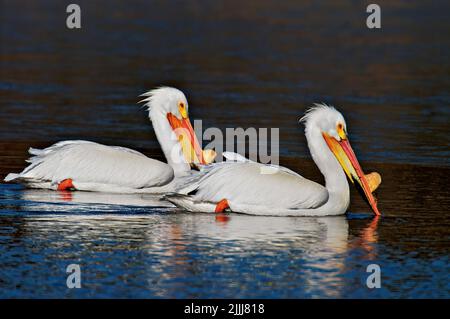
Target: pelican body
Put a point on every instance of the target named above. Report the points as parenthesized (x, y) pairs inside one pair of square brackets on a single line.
[(90, 166), (244, 186)]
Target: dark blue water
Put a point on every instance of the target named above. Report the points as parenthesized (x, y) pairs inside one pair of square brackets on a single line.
[(146, 252), (241, 64), (128, 250)]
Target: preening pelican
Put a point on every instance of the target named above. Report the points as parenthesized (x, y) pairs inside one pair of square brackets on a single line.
[(245, 186), (90, 166)]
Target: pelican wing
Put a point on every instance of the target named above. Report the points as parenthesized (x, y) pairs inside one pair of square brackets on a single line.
[(93, 166), (250, 184)]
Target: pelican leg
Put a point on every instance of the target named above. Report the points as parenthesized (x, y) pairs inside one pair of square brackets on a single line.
[(66, 185), (221, 206)]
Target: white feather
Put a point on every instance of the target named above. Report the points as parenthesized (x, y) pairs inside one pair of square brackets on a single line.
[(97, 167), (93, 166), (249, 189)]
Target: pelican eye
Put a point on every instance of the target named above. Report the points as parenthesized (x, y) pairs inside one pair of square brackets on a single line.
[(182, 109), (341, 131)]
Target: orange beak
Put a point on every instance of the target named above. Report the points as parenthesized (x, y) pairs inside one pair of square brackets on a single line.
[(186, 136), (343, 152)]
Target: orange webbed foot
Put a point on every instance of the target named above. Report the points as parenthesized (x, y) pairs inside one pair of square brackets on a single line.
[(221, 206), (66, 185)]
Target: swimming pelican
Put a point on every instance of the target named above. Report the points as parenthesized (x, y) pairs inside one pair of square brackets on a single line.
[(89, 166), (245, 186)]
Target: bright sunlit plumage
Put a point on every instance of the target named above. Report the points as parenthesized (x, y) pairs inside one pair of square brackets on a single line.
[(91, 166), (253, 188)]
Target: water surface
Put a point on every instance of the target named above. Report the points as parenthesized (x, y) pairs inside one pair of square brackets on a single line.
[(241, 64)]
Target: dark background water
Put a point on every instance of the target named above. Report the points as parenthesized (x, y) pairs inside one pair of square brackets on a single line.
[(240, 63)]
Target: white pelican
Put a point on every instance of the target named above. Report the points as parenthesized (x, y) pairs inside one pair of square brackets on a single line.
[(245, 186), (90, 166)]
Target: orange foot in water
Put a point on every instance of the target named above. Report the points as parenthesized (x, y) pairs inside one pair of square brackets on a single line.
[(221, 206), (66, 185)]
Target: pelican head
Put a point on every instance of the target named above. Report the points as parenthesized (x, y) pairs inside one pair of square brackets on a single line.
[(168, 111), (166, 100), (323, 121)]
